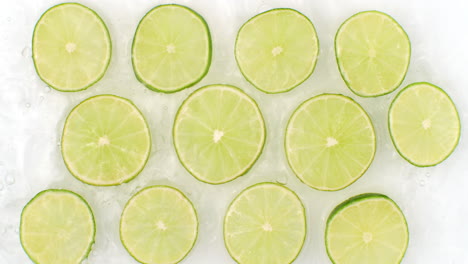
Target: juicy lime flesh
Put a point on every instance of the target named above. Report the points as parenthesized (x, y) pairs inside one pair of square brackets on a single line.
[(265, 224), (57, 227), (105, 141), (370, 230), (373, 53), (330, 142), (424, 124), (159, 225), (277, 50), (71, 47), (219, 133), (171, 49)]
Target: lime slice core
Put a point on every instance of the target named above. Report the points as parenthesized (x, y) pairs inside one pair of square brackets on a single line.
[(57, 227), (71, 47), (159, 225)]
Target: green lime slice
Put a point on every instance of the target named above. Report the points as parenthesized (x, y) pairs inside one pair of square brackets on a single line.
[(105, 141), (159, 225), (71, 47), (171, 48), (265, 223), (57, 227), (368, 228), (277, 50), (373, 53), (219, 133), (330, 142), (424, 124)]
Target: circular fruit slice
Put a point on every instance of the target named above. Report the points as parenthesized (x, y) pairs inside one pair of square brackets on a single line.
[(368, 228), (57, 227), (330, 142), (219, 133), (171, 48), (159, 225), (424, 124), (373, 53), (105, 141), (266, 223), (71, 47), (277, 50)]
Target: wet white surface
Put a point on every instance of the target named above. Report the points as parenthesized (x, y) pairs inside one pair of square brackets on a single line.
[(32, 115)]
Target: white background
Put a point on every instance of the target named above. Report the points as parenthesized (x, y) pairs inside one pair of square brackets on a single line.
[(32, 115)]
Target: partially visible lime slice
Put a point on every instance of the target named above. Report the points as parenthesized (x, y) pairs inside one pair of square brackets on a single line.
[(105, 141), (57, 227), (330, 142), (219, 133), (373, 53), (424, 124), (159, 225), (368, 228), (71, 47), (265, 224), (171, 48), (277, 50)]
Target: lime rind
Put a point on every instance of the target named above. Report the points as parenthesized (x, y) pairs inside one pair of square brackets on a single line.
[(247, 167), (258, 185), (190, 84), (134, 174), (296, 111), (179, 192), (98, 78), (312, 67), (393, 139), (343, 75), (353, 200), (61, 191)]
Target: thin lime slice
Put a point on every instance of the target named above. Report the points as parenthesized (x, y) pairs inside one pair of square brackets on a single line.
[(105, 141), (265, 224), (171, 48), (330, 142), (219, 133), (57, 227), (277, 50), (71, 47), (373, 53), (424, 124), (368, 228), (159, 225)]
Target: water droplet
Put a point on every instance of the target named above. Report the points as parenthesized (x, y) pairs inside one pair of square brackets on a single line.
[(428, 174), (10, 180), (28, 105), (26, 52), (47, 89), (8, 19), (59, 143), (1, 186), (41, 98), (422, 183), (282, 179), (165, 108), (2, 170), (17, 230)]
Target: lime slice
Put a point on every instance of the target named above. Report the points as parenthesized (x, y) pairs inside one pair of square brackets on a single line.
[(424, 124), (159, 225), (277, 50), (105, 141), (71, 47), (368, 228), (57, 227), (373, 53), (330, 142), (265, 223), (171, 48), (219, 133)]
